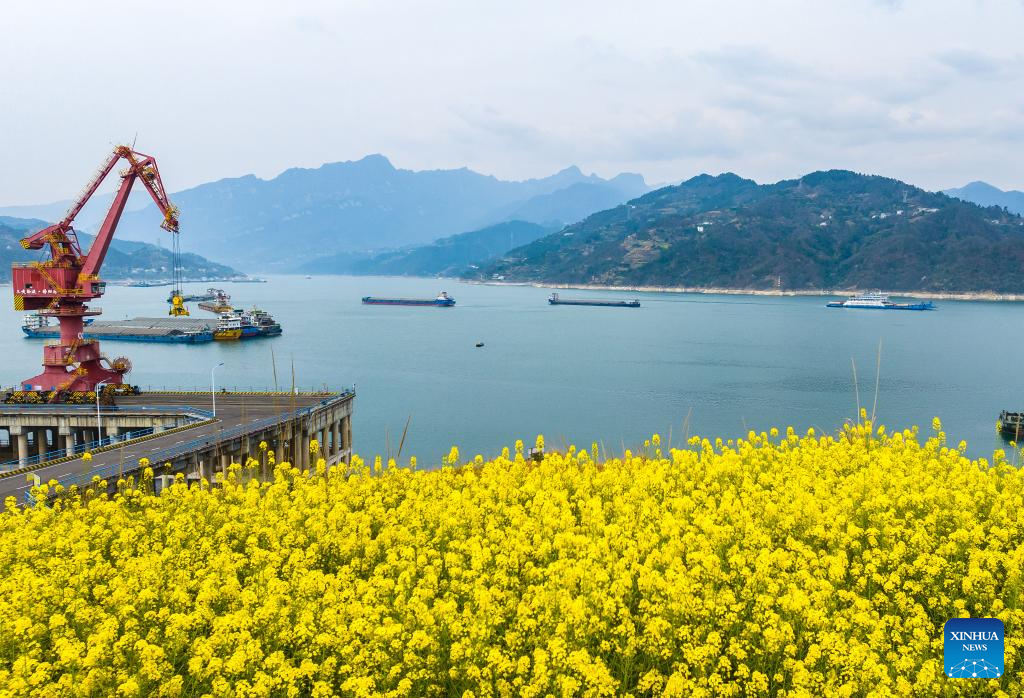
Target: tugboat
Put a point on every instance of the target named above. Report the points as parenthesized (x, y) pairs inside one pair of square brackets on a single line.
[(443, 300), (228, 328), (264, 322), (876, 300), (1011, 424), (555, 300)]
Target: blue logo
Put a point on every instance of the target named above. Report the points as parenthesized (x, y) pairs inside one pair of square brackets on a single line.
[(973, 648)]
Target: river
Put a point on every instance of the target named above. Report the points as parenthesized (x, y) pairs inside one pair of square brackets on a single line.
[(681, 364)]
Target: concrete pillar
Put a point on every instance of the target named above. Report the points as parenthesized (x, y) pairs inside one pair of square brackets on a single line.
[(22, 446), (304, 450), (41, 443), (279, 450), (225, 460), (69, 444), (336, 438), (346, 437)]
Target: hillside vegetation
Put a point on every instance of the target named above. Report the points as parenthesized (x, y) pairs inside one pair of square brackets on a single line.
[(125, 259), (779, 564), (826, 230)]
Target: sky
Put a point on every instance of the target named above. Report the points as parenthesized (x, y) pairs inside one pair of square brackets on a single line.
[(928, 91)]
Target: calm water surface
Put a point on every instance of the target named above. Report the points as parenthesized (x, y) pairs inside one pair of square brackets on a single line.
[(577, 374)]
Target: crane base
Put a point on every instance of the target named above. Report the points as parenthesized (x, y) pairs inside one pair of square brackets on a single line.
[(85, 378)]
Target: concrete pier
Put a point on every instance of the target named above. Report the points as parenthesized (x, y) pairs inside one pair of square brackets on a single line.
[(185, 434)]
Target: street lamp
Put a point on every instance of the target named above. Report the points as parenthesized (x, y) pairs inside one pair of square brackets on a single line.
[(99, 420), (213, 388)]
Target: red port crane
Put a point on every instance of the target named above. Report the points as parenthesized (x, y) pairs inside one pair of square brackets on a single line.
[(62, 285)]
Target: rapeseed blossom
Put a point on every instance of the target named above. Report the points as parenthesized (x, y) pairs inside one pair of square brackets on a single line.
[(771, 565)]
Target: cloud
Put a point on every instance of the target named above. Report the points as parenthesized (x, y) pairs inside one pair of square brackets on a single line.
[(971, 63)]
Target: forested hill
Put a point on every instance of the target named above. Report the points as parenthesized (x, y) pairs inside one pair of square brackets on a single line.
[(125, 259), (826, 230)]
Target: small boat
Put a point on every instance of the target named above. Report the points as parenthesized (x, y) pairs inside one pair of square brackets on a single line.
[(229, 328), (1011, 424), (876, 300), (556, 300), (219, 303), (479, 344), (443, 300)]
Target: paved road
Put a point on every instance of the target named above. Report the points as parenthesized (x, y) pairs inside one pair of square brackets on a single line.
[(233, 410)]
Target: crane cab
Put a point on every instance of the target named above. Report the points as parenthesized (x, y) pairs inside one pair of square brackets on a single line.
[(34, 289)]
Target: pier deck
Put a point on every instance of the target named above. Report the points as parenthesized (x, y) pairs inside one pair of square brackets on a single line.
[(197, 443)]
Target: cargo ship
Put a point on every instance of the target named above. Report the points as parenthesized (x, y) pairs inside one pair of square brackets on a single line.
[(229, 328), (443, 300), (555, 300), (876, 300)]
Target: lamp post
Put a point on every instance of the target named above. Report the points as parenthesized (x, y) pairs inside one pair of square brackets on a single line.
[(99, 420), (213, 388)]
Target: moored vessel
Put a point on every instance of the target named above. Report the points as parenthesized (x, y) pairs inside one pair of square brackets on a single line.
[(555, 299), (229, 328), (160, 330), (443, 300), (876, 300), (1011, 424)]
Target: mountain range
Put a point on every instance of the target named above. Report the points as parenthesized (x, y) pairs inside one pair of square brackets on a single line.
[(365, 206), (451, 256), (126, 259), (984, 194), (825, 230)]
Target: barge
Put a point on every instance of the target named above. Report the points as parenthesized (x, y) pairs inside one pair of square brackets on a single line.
[(443, 300), (237, 324), (556, 300), (876, 300), (163, 330)]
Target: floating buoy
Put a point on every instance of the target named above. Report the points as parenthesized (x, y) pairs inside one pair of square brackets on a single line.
[(479, 344)]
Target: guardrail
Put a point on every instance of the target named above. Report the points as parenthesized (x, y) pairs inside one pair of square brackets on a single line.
[(60, 453), (90, 409), (169, 454)]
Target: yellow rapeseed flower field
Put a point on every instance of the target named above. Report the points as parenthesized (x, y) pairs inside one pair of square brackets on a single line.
[(774, 565)]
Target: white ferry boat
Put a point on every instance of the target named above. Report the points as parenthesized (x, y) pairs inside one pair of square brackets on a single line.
[(876, 300)]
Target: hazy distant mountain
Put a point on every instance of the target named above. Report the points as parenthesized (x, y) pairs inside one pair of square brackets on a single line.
[(126, 259), (88, 218), (985, 194), (451, 256), (365, 206), (835, 229)]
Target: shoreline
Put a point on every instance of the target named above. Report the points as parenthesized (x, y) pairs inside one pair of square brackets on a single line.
[(709, 291)]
